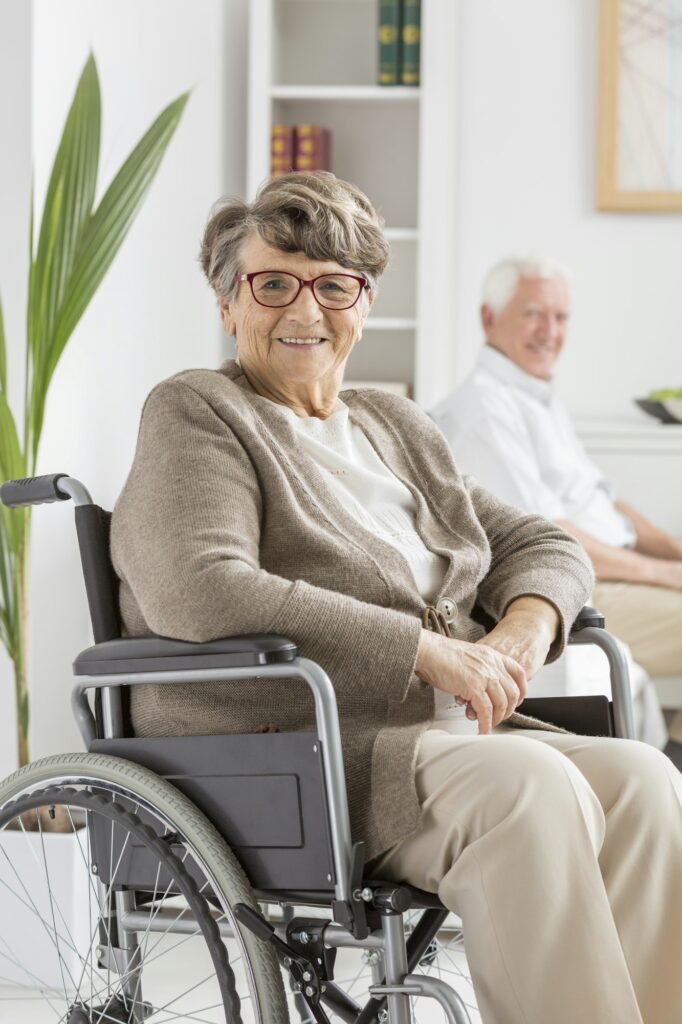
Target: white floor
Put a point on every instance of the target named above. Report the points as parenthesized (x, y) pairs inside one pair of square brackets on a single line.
[(19, 1006)]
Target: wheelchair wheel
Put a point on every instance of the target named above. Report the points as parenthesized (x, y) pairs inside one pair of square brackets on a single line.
[(123, 914)]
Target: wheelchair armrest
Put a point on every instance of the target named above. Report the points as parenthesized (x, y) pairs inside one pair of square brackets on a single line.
[(587, 616), (589, 628), (158, 654), (142, 660)]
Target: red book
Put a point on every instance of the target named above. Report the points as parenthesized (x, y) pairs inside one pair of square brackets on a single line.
[(282, 149), (312, 148)]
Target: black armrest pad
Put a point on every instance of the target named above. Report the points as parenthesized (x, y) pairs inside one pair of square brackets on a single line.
[(588, 616), (158, 654)]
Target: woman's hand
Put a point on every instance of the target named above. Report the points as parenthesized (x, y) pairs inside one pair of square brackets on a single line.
[(490, 682), (526, 633)]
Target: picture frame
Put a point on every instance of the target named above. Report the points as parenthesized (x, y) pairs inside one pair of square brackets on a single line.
[(639, 151)]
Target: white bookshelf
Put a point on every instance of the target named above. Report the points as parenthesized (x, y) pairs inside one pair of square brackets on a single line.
[(359, 93), (315, 62)]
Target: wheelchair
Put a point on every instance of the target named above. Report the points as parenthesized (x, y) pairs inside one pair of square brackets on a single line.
[(209, 874)]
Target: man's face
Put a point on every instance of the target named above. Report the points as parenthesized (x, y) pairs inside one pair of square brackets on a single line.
[(531, 328)]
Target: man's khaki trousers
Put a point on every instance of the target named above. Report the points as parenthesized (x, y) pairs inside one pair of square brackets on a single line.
[(648, 620), (562, 855)]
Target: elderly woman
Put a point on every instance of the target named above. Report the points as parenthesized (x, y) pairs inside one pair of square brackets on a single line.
[(265, 499)]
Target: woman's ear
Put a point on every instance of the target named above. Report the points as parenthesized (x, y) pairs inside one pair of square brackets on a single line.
[(369, 298), (229, 325)]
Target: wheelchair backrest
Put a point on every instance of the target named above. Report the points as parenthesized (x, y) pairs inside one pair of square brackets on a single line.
[(93, 526)]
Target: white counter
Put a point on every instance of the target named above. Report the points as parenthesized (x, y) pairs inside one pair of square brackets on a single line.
[(644, 460)]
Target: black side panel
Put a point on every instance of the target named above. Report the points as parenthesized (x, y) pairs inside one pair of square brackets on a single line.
[(587, 716), (263, 792), (101, 584)]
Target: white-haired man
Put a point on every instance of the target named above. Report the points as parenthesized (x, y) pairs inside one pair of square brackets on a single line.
[(508, 429)]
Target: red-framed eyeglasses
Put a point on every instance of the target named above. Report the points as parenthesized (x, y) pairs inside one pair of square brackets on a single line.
[(280, 288)]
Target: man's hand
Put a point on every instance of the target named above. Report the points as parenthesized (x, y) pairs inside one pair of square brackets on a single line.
[(525, 633), (488, 681), (651, 540), (668, 574), (626, 565)]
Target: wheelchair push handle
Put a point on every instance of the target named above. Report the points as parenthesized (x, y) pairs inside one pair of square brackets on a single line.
[(34, 490), (41, 490)]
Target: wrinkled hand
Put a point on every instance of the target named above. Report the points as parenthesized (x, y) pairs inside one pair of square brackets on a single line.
[(525, 633), (521, 642), (489, 682)]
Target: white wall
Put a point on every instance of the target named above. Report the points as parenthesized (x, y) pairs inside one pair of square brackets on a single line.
[(526, 124), (527, 130), (153, 315), (15, 192)]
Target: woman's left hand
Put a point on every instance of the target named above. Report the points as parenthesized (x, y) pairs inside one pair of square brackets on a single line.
[(526, 633)]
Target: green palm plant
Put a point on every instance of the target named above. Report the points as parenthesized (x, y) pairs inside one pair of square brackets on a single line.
[(76, 245)]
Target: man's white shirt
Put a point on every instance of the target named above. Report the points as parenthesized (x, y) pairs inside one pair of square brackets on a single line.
[(510, 431)]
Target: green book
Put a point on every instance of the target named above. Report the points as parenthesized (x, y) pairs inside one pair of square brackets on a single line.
[(389, 42), (411, 37)]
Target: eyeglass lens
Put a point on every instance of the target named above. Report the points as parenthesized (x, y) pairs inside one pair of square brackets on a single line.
[(334, 291)]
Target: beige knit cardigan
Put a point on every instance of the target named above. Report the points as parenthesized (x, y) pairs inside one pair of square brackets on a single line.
[(225, 526)]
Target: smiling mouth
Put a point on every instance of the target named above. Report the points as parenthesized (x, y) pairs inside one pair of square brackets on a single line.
[(302, 342), (542, 349)]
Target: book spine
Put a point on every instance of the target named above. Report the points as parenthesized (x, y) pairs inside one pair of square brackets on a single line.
[(389, 42), (282, 149), (312, 148), (411, 37)]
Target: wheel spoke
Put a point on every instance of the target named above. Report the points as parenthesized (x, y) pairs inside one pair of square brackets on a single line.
[(182, 995), (42, 987), (62, 964), (170, 1015), (173, 979)]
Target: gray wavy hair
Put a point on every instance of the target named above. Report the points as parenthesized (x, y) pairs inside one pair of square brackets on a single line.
[(502, 280), (310, 212)]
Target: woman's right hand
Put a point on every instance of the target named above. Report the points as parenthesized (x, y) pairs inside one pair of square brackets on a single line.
[(491, 684)]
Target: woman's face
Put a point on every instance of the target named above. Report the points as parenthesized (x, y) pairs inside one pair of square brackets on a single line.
[(265, 335)]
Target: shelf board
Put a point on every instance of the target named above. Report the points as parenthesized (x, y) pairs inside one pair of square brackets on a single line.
[(379, 93), (401, 234), (606, 436), (390, 323)]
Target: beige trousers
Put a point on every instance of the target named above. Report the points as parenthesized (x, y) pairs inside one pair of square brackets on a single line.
[(563, 856), (648, 619)]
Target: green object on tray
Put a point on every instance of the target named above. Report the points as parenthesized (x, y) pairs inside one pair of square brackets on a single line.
[(662, 394)]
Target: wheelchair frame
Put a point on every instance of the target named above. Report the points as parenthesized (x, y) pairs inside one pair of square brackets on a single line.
[(358, 907)]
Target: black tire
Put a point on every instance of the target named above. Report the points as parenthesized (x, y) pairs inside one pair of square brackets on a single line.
[(194, 871)]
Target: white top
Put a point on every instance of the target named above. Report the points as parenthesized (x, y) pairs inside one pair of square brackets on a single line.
[(510, 431), (370, 492)]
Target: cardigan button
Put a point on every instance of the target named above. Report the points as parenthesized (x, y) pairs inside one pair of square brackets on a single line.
[(447, 608)]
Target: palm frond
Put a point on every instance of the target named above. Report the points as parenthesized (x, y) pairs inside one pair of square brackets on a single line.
[(3, 354), (74, 249), (101, 239), (8, 608), (12, 467), (68, 203), (112, 220)]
